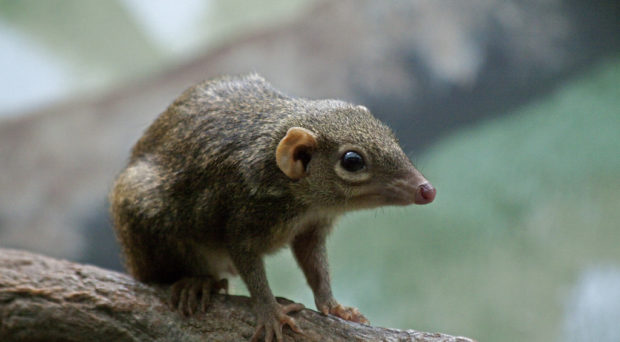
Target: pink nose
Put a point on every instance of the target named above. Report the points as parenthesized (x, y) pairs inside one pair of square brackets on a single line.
[(425, 194)]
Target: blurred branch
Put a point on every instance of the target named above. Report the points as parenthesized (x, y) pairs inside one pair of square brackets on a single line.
[(45, 299)]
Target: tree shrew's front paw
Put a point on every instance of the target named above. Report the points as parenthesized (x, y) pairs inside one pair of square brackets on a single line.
[(344, 312), (271, 320)]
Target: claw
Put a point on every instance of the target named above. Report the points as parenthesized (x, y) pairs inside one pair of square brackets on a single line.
[(293, 307), (271, 322), (257, 333), (191, 295), (344, 312), (182, 305)]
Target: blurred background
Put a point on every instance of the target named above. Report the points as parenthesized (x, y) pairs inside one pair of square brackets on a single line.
[(511, 108)]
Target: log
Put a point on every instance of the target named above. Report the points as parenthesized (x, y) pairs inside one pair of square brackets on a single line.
[(46, 299)]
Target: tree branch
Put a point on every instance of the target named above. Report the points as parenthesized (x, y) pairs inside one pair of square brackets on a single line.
[(45, 299)]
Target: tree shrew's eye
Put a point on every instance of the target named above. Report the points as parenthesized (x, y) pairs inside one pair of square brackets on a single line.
[(352, 161)]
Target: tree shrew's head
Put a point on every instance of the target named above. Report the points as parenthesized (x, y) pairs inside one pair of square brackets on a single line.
[(340, 155)]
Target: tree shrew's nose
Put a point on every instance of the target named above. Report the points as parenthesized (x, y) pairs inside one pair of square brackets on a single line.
[(425, 194)]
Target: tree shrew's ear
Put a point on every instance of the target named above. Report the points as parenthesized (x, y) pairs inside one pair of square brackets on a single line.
[(295, 151)]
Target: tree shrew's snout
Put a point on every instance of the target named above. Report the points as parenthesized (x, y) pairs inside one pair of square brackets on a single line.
[(413, 188)]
